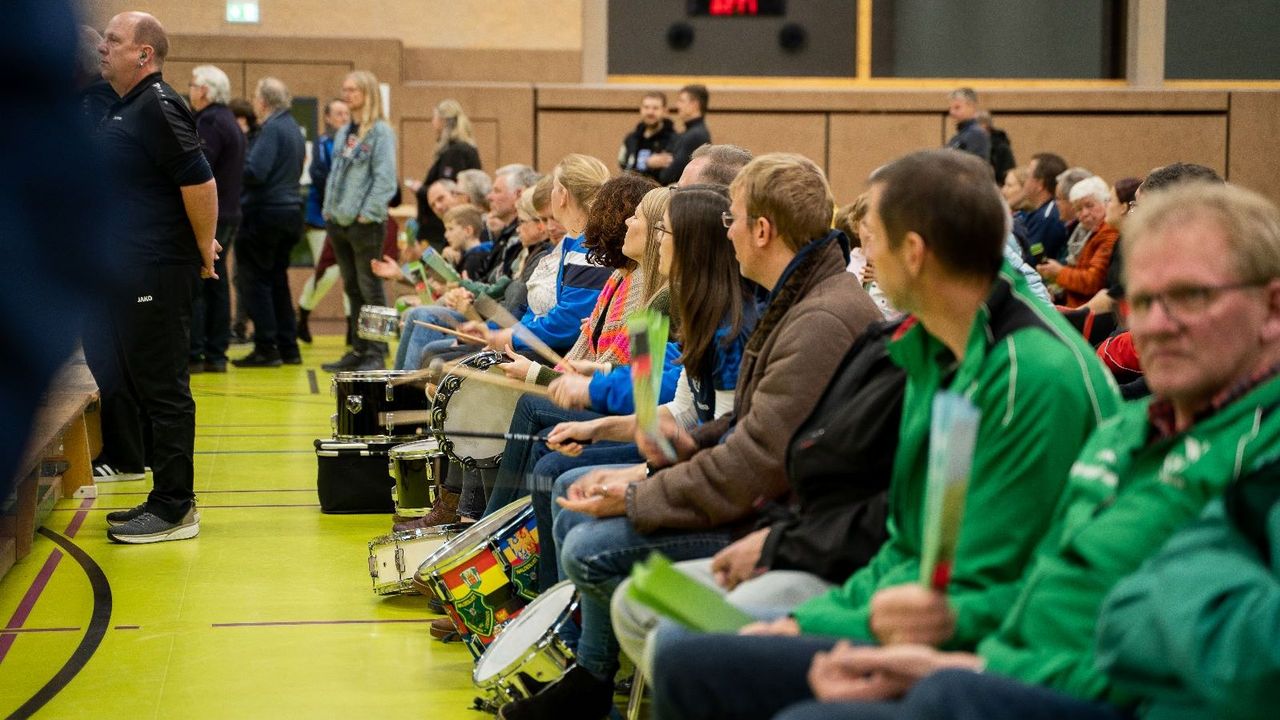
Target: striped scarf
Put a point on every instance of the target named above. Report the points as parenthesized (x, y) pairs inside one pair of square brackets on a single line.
[(623, 294)]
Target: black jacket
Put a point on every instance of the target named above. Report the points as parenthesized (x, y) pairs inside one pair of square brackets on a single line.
[(456, 157), (695, 135), (273, 166), (636, 148), (1001, 154), (839, 463)]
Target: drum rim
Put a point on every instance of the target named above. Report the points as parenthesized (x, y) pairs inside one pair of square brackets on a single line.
[(405, 452), (433, 566), (440, 412), (391, 440), (414, 534), (534, 649), (369, 374)]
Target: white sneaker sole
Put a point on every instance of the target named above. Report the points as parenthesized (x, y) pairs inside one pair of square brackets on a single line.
[(182, 532), (119, 477)]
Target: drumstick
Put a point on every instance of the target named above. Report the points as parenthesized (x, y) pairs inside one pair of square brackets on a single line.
[(499, 380), (475, 339), (514, 437), (499, 314), (404, 417)]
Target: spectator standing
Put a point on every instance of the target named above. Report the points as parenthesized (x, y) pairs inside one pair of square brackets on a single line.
[(970, 137), (1002, 160), (336, 115), (455, 152), (654, 134), (691, 106), (224, 148)]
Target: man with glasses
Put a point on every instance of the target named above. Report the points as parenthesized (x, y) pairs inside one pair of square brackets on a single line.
[(1204, 287)]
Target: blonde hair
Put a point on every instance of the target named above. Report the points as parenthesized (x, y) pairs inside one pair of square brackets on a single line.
[(653, 206), (525, 207), (541, 192), (1250, 222), (792, 192), (582, 175), (466, 216), (372, 110), (457, 126)]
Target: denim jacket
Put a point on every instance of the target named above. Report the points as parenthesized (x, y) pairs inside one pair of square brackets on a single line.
[(362, 179)]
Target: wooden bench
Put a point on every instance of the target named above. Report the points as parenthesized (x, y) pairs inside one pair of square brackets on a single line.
[(58, 462)]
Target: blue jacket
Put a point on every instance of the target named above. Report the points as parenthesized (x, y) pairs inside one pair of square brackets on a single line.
[(611, 392), (273, 167), (578, 285), (1046, 236), (321, 159)]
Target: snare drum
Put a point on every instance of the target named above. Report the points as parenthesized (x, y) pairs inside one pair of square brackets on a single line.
[(473, 406), (485, 576), (415, 467), (529, 648), (363, 396), (393, 558), (378, 323)]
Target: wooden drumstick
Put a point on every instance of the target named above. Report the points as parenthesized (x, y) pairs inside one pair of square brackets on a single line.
[(499, 314), (499, 380), (474, 339)]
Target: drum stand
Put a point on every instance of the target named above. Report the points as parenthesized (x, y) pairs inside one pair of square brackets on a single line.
[(637, 696)]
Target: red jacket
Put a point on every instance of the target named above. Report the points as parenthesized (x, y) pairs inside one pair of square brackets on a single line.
[(1087, 276)]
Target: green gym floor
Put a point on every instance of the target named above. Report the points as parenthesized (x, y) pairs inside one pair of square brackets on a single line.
[(269, 613)]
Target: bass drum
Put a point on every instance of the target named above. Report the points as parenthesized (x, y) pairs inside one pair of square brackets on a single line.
[(366, 399), (472, 406)]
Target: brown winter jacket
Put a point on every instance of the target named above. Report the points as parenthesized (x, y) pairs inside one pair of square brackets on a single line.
[(796, 347)]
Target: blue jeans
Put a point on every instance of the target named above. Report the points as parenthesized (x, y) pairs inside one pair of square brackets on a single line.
[(532, 415), (598, 554), (414, 337), (963, 695), (546, 486)]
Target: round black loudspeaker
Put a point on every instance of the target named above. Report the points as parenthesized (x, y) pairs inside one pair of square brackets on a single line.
[(792, 37), (680, 36)]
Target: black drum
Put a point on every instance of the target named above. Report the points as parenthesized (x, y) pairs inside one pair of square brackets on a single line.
[(368, 402)]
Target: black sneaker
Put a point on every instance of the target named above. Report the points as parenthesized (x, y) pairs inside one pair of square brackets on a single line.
[(195, 366), (119, 517), (151, 528), (350, 361), (372, 362), (291, 359), (304, 329), (215, 367), (578, 695), (256, 359), (103, 472)]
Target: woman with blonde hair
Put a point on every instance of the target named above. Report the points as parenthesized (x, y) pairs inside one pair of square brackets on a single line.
[(362, 180), (455, 152)]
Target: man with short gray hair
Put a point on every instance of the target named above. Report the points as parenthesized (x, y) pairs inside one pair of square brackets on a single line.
[(962, 107), (224, 145), (272, 204)]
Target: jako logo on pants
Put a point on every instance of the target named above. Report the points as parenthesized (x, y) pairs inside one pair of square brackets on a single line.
[(144, 298)]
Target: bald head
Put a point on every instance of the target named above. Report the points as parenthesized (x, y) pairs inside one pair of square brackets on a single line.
[(147, 30), (133, 47)]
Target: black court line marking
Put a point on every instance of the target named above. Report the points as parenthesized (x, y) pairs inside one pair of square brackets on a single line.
[(202, 436), (254, 452), (311, 380), (25, 631), (294, 623), (208, 507), (249, 425), (99, 623)]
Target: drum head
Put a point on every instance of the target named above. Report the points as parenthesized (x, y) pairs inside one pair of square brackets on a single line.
[(539, 619), (473, 406), (416, 450)]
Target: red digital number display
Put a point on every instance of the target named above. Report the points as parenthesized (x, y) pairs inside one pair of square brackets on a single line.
[(736, 8)]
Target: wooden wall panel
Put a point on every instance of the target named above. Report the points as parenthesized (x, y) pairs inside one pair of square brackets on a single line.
[(595, 132), (513, 65), (501, 113), (862, 143), (804, 133), (1255, 135), (1116, 146)]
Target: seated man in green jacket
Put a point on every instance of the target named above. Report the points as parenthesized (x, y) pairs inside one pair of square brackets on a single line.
[(1204, 290)]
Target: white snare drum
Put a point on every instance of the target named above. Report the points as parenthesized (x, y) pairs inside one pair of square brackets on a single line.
[(378, 323), (394, 558), (473, 406), (529, 648)]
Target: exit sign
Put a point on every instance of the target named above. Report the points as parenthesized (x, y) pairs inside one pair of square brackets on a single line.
[(737, 8), (242, 11)]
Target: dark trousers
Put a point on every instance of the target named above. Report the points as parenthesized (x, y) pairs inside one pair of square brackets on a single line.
[(354, 246), (267, 237), (141, 339), (211, 309)]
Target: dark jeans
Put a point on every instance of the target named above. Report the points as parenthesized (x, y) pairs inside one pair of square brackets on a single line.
[(355, 246), (533, 415), (211, 309), (471, 485), (963, 695), (546, 469), (266, 239), (141, 342)]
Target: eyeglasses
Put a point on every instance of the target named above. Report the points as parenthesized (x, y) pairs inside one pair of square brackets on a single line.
[(658, 226), (1182, 303), (728, 218)]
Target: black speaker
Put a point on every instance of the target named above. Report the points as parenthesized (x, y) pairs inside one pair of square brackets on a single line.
[(680, 36), (792, 37)]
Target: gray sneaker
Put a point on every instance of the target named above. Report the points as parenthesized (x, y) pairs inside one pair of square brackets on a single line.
[(119, 517), (149, 528)]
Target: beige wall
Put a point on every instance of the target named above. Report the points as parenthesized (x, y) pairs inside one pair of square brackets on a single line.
[(478, 24)]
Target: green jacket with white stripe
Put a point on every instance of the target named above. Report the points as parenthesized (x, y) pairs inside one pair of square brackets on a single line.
[(1041, 392)]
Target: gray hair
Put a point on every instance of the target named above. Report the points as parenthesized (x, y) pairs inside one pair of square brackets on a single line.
[(519, 177), (274, 93), (965, 93), (212, 77), (724, 162), (1069, 177), (476, 184), (1094, 187)]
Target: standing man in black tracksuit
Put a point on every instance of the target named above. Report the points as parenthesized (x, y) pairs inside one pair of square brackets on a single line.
[(272, 225), (970, 137), (168, 200), (691, 105), (654, 134)]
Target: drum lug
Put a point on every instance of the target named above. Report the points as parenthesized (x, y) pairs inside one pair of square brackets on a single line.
[(400, 560), (333, 386), (354, 404), (333, 424), (373, 567), (391, 392)]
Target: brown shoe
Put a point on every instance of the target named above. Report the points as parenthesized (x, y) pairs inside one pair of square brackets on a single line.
[(444, 512), (444, 629)]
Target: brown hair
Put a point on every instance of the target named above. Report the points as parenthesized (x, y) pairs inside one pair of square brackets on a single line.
[(791, 191), (848, 217), (606, 222), (948, 198)]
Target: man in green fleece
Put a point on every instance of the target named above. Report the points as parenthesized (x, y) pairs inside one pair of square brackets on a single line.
[(937, 233), (1203, 274)]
